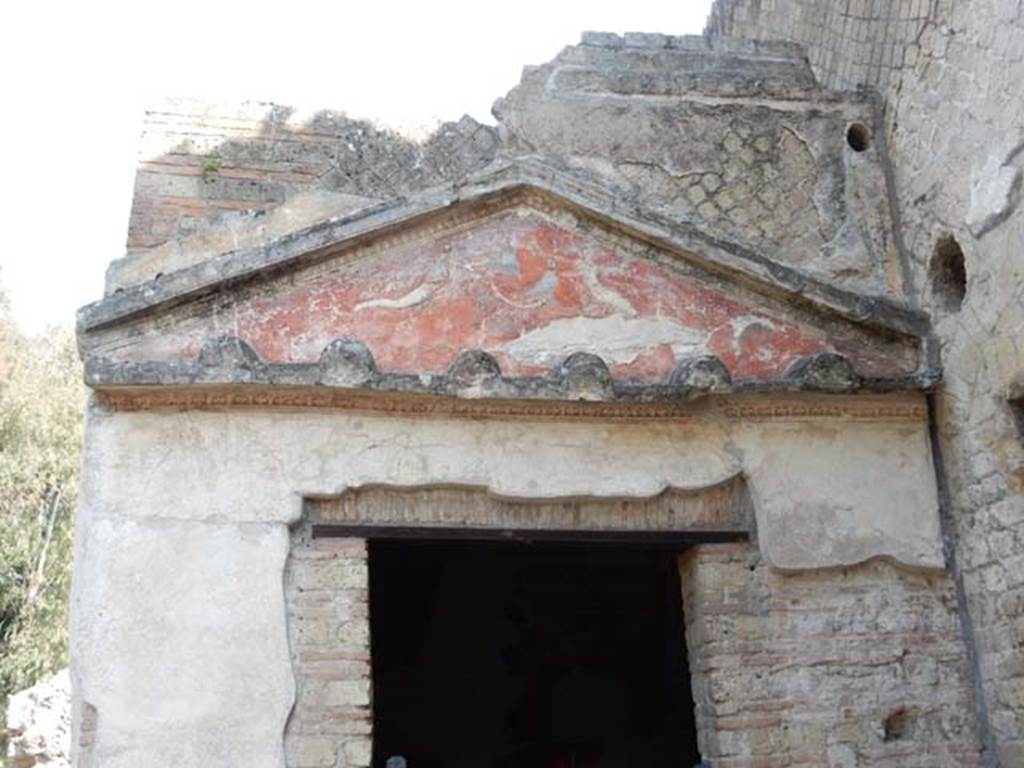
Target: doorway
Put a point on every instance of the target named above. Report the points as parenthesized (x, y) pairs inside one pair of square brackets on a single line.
[(493, 655)]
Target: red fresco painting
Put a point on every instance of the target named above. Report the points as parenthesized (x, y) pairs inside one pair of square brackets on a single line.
[(530, 292)]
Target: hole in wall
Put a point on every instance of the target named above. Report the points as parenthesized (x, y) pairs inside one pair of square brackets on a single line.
[(1017, 411), (948, 274), (858, 137), (897, 724)]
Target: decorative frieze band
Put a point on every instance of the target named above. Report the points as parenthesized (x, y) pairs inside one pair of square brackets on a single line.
[(375, 402), (750, 410), (229, 374), (766, 407)]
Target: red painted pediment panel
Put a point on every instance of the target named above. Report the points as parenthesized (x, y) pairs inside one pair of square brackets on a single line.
[(529, 283)]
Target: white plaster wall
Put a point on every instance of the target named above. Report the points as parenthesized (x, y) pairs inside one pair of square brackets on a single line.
[(178, 626), (840, 493), (179, 640)]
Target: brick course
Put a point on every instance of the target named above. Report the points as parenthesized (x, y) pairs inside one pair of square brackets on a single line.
[(201, 161), (849, 667), (326, 594)]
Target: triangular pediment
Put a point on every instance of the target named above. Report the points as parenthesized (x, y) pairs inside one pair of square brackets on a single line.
[(529, 272)]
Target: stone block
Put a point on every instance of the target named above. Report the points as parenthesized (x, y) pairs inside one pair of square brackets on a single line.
[(358, 753), (340, 693), (312, 752)]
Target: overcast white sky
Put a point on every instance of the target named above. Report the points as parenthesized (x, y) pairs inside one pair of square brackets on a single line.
[(76, 76)]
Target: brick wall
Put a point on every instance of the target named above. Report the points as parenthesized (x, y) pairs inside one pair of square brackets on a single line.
[(326, 594), (850, 667), (200, 161), (856, 666)]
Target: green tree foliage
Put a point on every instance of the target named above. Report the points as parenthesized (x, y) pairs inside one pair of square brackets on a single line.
[(40, 432)]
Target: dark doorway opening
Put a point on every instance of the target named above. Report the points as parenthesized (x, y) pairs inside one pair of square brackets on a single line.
[(539, 656)]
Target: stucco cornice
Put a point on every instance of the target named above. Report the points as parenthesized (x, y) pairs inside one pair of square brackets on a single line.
[(228, 372)]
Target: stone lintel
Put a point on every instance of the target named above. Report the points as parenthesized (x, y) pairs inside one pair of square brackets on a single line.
[(722, 512)]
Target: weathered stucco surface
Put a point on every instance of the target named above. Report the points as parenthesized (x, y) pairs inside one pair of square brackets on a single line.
[(179, 644), (842, 492), (244, 466), (763, 160)]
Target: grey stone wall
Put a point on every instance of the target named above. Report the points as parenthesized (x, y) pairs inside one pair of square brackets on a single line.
[(954, 117), (38, 728), (850, 43)]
